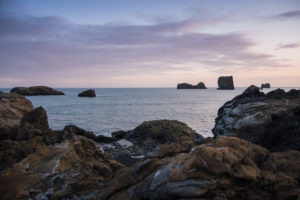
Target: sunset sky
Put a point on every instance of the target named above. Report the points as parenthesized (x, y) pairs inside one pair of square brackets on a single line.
[(157, 43)]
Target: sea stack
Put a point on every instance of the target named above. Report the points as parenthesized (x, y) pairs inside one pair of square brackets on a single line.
[(87, 93), (35, 91), (265, 85), (225, 83), (200, 85)]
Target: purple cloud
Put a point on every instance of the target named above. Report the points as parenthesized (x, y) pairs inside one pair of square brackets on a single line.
[(52, 47), (289, 46), (294, 14)]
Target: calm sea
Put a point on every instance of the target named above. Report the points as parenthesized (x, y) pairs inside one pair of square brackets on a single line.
[(125, 108)]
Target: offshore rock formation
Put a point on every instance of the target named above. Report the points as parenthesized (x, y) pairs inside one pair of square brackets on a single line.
[(271, 120), (200, 85), (265, 85), (35, 90), (225, 83), (87, 93), (222, 168)]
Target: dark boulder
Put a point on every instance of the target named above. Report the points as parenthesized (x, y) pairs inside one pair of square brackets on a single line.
[(152, 133), (270, 120), (87, 93), (225, 83), (265, 85), (200, 85), (35, 90)]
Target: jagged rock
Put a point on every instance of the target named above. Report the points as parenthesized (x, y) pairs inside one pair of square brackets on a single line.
[(225, 83), (87, 93), (35, 90), (38, 163), (12, 109), (265, 85), (222, 168), (270, 120), (200, 85)]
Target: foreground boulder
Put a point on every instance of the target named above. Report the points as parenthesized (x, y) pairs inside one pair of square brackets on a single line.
[(200, 85), (265, 85), (39, 163), (87, 93), (12, 109), (225, 83), (271, 120), (35, 90), (222, 168)]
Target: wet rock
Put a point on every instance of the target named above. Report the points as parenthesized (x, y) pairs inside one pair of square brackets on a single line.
[(35, 90), (87, 93), (270, 120), (200, 85), (265, 85), (225, 83), (221, 168)]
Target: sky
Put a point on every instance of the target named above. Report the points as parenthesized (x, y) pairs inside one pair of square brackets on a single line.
[(157, 43)]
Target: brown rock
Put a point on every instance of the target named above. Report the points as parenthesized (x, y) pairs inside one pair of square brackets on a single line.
[(222, 168), (12, 109)]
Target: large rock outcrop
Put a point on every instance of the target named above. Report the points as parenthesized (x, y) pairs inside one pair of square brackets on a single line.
[(222, 168), (265, 85), (225, 83), (200, 85), (12, 109), (39, 163), (271, 120), (35, 90), (87, 93)]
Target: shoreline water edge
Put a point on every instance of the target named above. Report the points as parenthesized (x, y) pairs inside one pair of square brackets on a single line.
[(253, 154)]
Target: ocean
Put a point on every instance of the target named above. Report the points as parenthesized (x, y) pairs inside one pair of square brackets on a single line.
[(125, 108)]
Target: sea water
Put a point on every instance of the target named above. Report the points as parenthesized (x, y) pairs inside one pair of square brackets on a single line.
[(125, 108)]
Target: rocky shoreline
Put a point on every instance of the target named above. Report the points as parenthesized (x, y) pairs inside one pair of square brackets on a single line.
[(254, 154)]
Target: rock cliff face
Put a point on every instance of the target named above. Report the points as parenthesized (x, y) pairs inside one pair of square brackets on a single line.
[(265, 85), (87, 93), (222, 168), (270, 120), (35, 90), (225, 83), (200, 85)]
